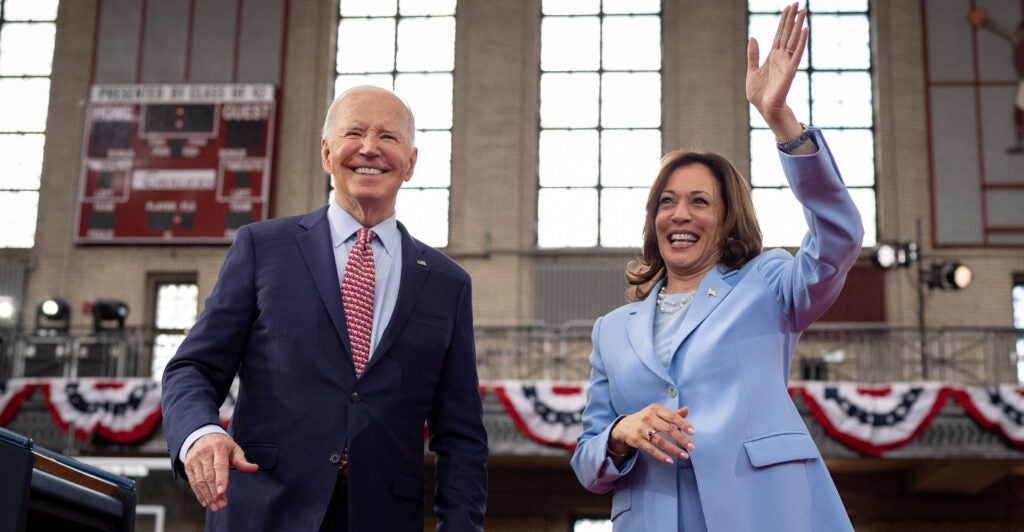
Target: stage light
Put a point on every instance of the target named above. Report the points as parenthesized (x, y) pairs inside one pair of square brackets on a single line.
[(53, 317), (6, 308), (952, 275), (889, 255), (106, 310)]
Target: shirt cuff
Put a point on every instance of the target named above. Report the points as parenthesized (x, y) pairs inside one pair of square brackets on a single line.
[(198, 433)]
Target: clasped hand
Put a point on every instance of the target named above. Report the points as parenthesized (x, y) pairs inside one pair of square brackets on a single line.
[(658, 430), (207, 464)]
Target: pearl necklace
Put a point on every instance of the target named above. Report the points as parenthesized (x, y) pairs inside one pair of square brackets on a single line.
[(668, 306)]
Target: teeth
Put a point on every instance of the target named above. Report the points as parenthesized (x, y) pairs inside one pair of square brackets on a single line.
[(684, 236), (368, 171)]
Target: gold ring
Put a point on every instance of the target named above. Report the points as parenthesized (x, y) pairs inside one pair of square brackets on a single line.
[(788, 51)]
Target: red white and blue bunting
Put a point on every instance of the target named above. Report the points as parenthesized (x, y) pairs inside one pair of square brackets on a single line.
[(876, 418), (546, 412), (999, 407), (871, 419)]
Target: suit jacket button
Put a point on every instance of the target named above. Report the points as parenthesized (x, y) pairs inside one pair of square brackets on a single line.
[(671, 392), (334, 458), (354, 397)]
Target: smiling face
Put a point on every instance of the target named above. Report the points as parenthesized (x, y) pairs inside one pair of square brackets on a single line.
[(367, 147), (688, 225)]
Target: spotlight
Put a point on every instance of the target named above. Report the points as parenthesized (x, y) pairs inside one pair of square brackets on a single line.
[(105, 310), (889, 255), (953, 275), (53, 317), (6, 308)]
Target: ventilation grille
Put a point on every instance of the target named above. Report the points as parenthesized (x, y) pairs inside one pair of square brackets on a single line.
[(563, 293)]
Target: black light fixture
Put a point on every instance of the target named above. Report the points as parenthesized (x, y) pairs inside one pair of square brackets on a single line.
[(952, 275), (53, 317), (892, 254), (108, 310), (7, 310)]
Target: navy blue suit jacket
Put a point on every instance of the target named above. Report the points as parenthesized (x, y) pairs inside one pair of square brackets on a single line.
[(275, 317)]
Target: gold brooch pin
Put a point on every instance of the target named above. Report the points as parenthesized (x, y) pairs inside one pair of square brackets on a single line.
[(712, 293)]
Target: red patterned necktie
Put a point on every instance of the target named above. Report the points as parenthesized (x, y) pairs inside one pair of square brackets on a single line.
[(357, 296)]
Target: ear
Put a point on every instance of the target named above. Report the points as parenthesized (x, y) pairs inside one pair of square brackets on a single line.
[(412, 163), (325, 156)]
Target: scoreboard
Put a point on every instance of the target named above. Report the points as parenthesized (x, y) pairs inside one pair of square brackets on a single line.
[(175, 163)]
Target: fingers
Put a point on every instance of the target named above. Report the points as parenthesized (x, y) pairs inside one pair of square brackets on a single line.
[(659, 431), (207, 465)]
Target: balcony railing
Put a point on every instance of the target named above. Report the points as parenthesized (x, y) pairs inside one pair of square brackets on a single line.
[(827, 351)]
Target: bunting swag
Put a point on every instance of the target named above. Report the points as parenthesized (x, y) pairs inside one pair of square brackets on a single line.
[(546, 412), (877, 418), (121, 410), (999, 407), (12, 394)]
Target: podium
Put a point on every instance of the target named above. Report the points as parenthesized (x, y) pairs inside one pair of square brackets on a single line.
[(44, 490)]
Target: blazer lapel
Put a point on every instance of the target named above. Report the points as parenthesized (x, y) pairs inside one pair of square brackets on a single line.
[(318, 252), (712, 291), (414, 271), (640, 332)]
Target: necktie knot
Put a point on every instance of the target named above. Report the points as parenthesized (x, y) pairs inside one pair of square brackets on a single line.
[(364, 236)]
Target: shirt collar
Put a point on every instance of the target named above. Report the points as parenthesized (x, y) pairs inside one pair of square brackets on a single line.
[(344, 227)]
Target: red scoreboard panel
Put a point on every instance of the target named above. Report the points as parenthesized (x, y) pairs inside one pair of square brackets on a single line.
[(172, 163)]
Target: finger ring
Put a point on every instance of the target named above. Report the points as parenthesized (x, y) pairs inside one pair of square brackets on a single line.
[(650, 436), (788, 51)]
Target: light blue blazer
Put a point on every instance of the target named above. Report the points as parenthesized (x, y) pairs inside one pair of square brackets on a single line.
[(755, 464)]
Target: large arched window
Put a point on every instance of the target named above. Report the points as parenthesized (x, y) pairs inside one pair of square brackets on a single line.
[(832, 91), (600, 120), (408, 46), (27, 29)]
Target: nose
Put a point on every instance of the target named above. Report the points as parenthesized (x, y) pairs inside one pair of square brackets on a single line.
[(370, 145), (680, 213)]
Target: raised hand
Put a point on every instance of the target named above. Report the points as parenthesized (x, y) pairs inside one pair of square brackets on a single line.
[(768, 84)]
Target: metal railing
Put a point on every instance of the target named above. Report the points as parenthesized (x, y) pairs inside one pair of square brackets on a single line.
[(875, 353)]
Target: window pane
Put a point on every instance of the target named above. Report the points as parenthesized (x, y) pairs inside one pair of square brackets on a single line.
[(426, 44), (841, 99), (570, 7), (628, 158), (366, 45), (425, 214), (427, 7), (631, 6), (854, 152), (631, 43), (622, 216), (765, 166), (26, 49), (570, 43), (164, 347), (568, 158), (567, 217), (781, 217), (568, 100), (864, 198), (847, 46), (631, 100), (23, 104), (833, 6), (176, 306), (348, 81), (30, 10), (368, 8), (21, 161), (430, 96), (767, 6), (434, 162), (18, 218)]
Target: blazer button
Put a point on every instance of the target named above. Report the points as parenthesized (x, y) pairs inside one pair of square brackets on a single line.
[(354, 397), (671, 392), (334, 458)]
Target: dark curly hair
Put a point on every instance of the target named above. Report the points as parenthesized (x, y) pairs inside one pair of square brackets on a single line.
[(741, 234)]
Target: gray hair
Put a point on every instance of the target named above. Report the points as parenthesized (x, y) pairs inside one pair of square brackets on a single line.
[(408, 110)]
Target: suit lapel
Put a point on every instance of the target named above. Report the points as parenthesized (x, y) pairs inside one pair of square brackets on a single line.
[(415, 270), (640, 332), (712, 291), (318, 252)]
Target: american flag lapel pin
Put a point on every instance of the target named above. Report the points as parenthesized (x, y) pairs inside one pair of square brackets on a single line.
[(712, 293), (421, 262)]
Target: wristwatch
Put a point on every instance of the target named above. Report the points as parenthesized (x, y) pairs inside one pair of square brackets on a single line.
[(797, 142)]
